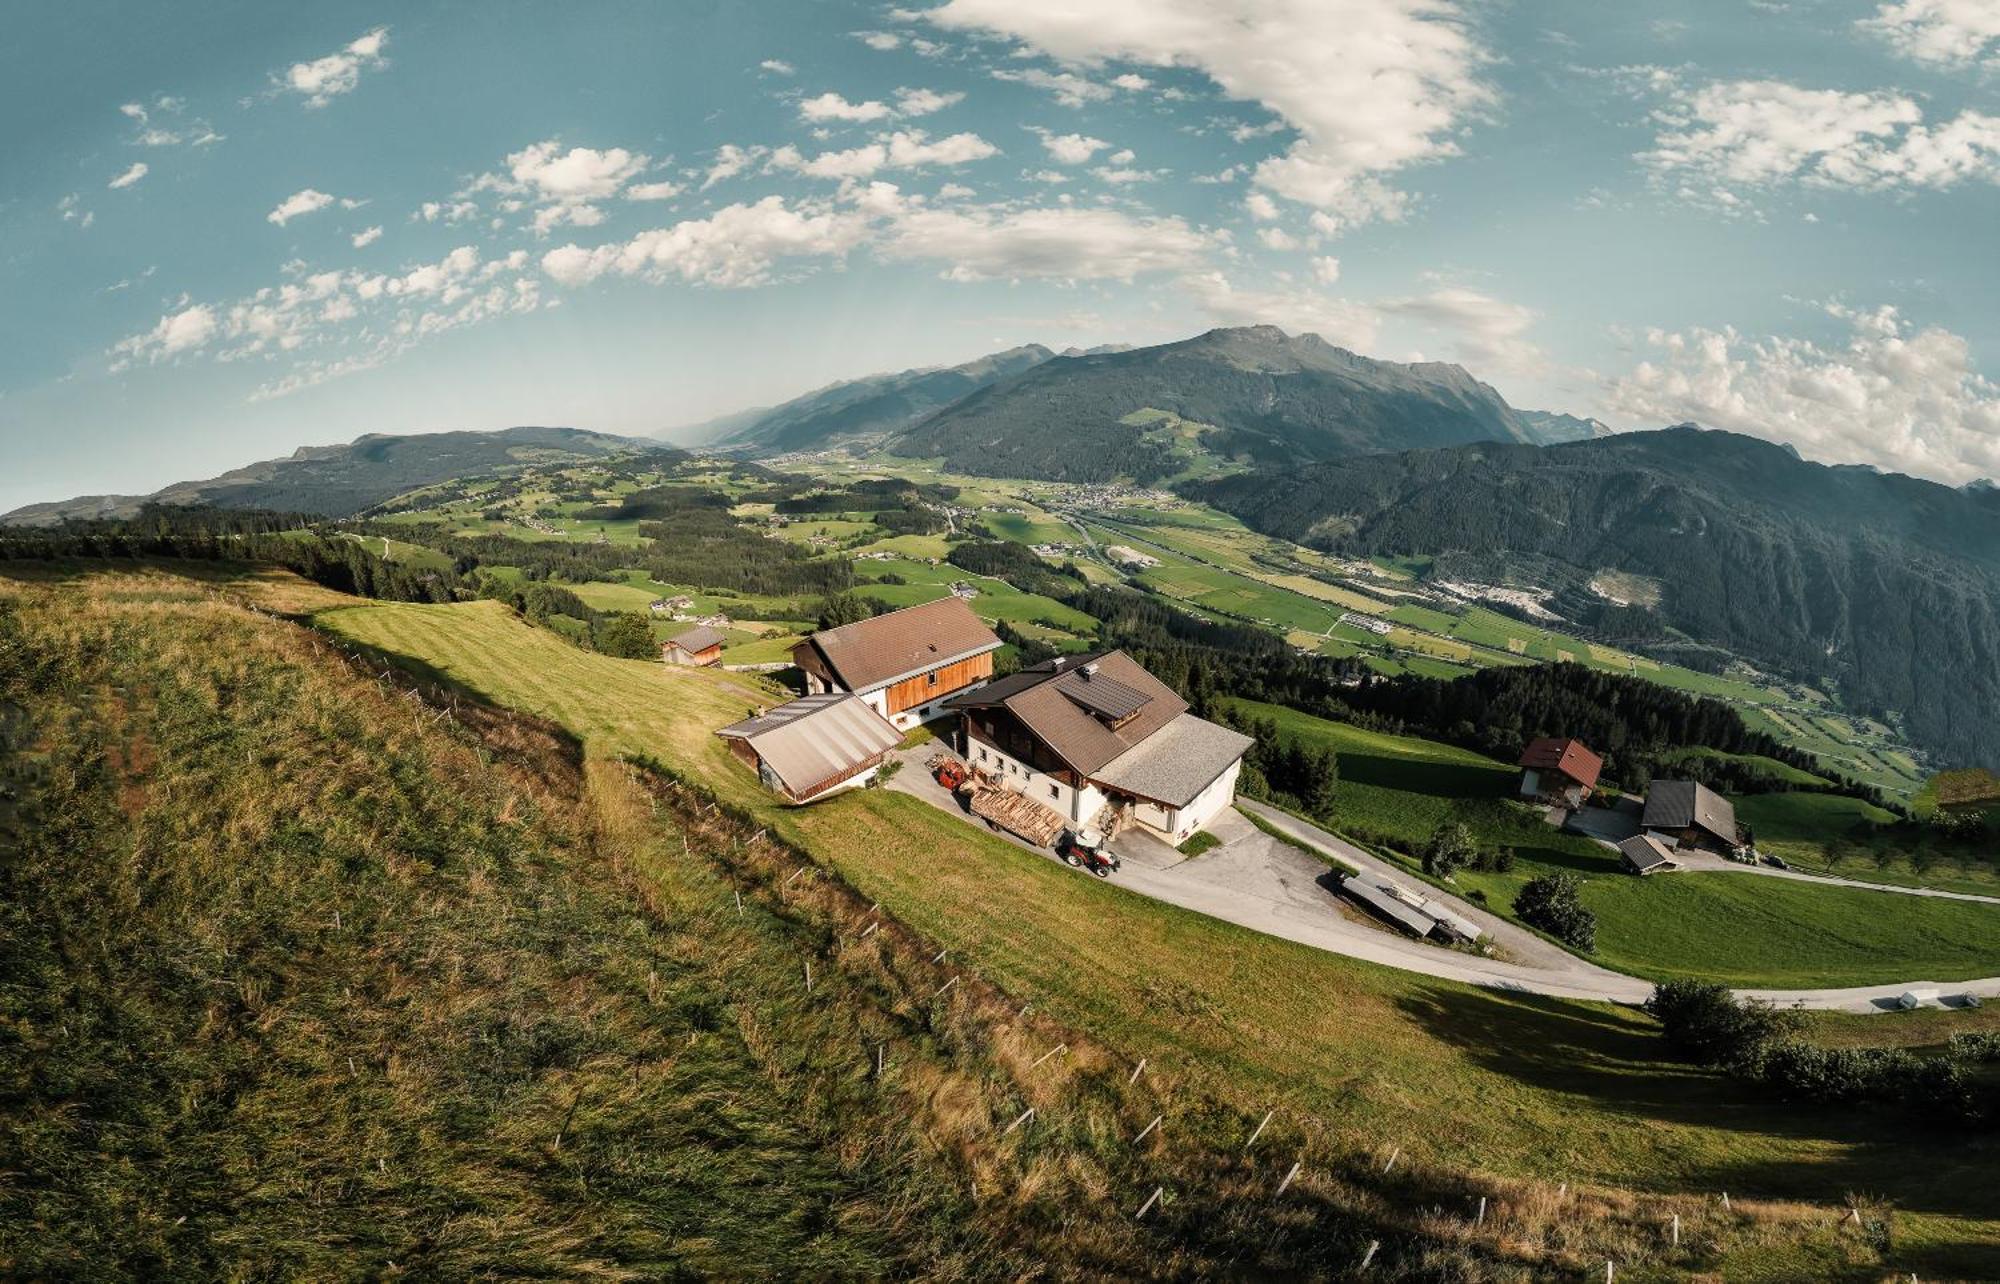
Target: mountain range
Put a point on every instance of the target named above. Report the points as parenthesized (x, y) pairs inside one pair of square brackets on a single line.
[(1881, 587), (339, 481)]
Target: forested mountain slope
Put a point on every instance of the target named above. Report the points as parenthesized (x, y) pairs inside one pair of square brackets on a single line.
[(1883, 585), (1271, 397), (338, 481)]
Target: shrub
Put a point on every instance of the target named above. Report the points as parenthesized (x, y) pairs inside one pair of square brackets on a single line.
[(1552, 904), (1450, 848), (1706, 1023), (628, 636)]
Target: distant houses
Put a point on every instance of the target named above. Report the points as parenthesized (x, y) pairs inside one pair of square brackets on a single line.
[(904, 664), (1561, 772), (698, 646), (1366, 623), (1125, 555)]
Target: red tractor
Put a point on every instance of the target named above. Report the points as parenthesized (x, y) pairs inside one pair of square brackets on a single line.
[(1087, 851), (950, 773)]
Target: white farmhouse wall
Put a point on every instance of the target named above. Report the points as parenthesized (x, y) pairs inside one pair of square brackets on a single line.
[(1178, 824), (1080, 805)]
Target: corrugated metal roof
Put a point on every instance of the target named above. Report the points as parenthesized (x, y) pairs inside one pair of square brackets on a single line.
[(810, 741), (1176, 763), (875, 652), (699, 638), (1385, 902), (1102, 694), (1688, 804), (1645, 853)]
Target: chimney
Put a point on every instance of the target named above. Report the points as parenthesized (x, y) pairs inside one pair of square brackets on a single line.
[(1090, 670)]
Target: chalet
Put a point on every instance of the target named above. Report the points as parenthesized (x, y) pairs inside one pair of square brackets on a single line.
[(1644, 854), (813, 746), (1692, 815), (1559, 771), (904, 664), (700, 645), (1103, 743)]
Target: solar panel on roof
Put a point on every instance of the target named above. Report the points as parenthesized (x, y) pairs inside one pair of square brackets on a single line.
[(1104, 696)]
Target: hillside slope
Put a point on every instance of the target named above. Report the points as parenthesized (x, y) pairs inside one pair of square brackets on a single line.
[(873, 404), (1885, 587), (1270, 397), (338, 481)]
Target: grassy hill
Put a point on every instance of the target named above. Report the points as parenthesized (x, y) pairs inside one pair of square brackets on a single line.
[(1734, 928), (1363, 1057)]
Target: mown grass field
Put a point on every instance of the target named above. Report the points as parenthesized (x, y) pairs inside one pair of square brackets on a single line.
[(1503, 1083), (1831, 834), (1740, 929)]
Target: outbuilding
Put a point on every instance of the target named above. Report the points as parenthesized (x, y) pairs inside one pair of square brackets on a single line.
[(813, 746), (1644, 854), (698, 646)]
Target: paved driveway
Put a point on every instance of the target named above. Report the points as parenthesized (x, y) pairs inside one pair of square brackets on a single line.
[(1258, 882)]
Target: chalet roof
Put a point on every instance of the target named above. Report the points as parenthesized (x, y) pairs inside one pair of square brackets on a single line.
[(1176, 763), (1689, 804), (1645, 853), (870, 654), (812, 740), (1073, 705), (699, 638), (1570, 757)]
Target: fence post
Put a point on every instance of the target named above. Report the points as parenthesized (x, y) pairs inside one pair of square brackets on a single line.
[(1148, 1129), (1393, 1152), (1480, 1220), (1060, 1047), (1260, 1130), (1026, 1115), (1136, 1072), (1369, 1256), (1285, 1185), (1151, 1199)]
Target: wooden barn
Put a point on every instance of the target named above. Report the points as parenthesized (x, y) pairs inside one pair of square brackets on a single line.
[(905, 663), (700, 645)]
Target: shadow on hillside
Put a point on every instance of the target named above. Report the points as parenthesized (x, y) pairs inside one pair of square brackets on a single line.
[(1620, 1066), (1442, 779)]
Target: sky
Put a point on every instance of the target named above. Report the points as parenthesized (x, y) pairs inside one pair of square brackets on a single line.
[(232, 228)]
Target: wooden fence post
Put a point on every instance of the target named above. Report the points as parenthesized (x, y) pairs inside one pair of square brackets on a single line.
[(1136, 1072), (1148, 1129), (1369, 1256), (1260, 1130), (1151, 1199), (1060, 1047), (1285, 1185), (1026, 1115)]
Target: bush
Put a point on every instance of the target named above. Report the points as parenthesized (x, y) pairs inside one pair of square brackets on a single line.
[(1552, 904), (628, 636), (1450, 848), (1706, 1023)]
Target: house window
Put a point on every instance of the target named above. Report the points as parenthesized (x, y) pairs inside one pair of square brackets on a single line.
[(1055, 791), (931, 677)]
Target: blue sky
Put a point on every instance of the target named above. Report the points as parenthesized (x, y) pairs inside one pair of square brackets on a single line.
[(231, 229)]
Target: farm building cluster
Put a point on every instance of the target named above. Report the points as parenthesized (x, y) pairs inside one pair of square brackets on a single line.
[(1675, 817), (1085, 745)]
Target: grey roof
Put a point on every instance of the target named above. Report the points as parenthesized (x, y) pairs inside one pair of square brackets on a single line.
[(1452, 919), (1645, 853), (1176, 762), (1039, 697), (812, 740), (1103, 695), (1688, 804), (1379, 898), (699, 638)]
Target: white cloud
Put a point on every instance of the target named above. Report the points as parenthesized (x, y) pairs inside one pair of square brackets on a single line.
[(1071, 149), (447, 212), (317, 325), (579, 174), (1754, 133), (778, 67), (1070, 89), (1373, 87), (176, 333), (151, 132), (1131, 82), (138, 171), (737, 246), (366, 238), (299, 203), (1119, 175), (1484, 332), (1048, 176), (922, 102), (71, 209), (831, 106), (1894, 396), (1326, 269), (661, 191), (1065, 243), (1261, 207), (882, 41), (1945, 33), (1277, 238), (730, 160), (324, 79), (904, 149)]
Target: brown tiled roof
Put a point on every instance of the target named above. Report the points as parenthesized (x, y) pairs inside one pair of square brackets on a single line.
[(699, 638), (1050, 702), (874, 653), (1570, 757)]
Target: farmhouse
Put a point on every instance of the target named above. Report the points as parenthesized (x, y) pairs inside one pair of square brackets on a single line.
[(1644, 854), (699, 645), (1558, 771), (904, 664), (813, 746), (1103, 743), (1691, 814)]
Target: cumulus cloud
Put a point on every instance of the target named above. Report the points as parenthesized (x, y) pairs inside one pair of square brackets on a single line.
[(579, 174), (1069, 88), (1071, 149), (883, 41), (1338, 321), (364, 239), (162, 125), (138, 171), (922, 102), (777, 67), (1944, 33), (298, 204), (904, 149), (735, 247), (317, 325), (661, 191), (1261, 207), (730, 160), (1893, 395), (1756, 133), (561, 185), (1326, 269), (1063, 243), (831, 106), (322, 80), (1373, 87)]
